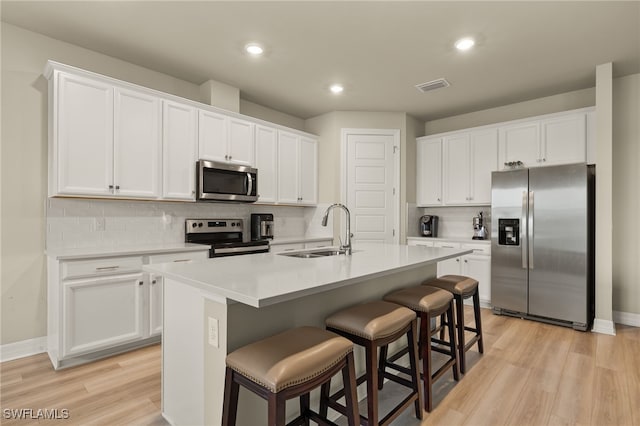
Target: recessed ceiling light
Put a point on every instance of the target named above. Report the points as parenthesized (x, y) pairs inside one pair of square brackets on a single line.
[(336, 88), (465, 43), (254, 49)]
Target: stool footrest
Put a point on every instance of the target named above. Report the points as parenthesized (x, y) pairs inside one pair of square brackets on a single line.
[(471, 342), (398, 379)]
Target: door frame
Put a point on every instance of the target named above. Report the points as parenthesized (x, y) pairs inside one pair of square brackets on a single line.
[(395, 133)]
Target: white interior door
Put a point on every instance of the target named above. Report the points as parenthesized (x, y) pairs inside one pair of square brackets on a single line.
[(371, 184)]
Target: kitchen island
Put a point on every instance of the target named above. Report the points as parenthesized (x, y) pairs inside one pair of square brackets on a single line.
[(215, 306)]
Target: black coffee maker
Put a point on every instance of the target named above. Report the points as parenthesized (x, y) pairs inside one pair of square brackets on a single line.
[(429, 226), (261, 226)]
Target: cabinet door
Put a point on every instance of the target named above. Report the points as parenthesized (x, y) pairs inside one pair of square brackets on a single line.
[(179, 146), (308, 166), (102, 313), (266, 163), (484, 160), (288, 176), (479, 268), (449, 267), (83, 139), (429, 172), (136, 148), (155, 305), (212, 136), (241, 142), (520, 142), (564, 140), (456, 169)]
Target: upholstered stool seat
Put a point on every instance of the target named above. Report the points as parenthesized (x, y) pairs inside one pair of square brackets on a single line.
[(373, 325), (427, 302), (288, 365), (462, 287)]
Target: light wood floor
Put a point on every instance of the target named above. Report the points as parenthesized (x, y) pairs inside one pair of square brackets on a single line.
[(530, 374)]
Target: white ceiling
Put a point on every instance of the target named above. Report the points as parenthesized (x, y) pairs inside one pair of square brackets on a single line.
[(378, 50)]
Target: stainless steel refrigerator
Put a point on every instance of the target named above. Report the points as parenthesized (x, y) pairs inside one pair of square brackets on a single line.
[(542, 244)]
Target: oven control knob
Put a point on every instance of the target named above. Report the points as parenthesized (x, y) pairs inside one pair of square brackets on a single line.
[(194, 225), (233, 224), (200, 225)]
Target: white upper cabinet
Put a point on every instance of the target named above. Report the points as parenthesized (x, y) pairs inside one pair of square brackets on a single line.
[(212, 136), (429, 172), (225, 139), (520, 142), (137, 146), (267, 163), (469, 159), (288, 168), (81, 158), (241, 142), (179, 147), (308, 171), (558, 139), (564, 139)]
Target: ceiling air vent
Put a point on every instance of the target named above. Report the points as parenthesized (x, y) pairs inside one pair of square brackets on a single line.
[(432, 85)]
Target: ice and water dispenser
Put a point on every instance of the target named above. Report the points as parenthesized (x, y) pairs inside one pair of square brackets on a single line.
[(509, 232)]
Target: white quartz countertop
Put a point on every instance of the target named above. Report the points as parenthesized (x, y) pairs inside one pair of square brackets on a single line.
[(86, 253), (266, 278), (293, 240), (455, 240)]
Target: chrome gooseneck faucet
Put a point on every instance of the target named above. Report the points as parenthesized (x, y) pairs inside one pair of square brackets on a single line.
[(346, 246)]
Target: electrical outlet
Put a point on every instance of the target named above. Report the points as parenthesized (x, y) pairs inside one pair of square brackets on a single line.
[(100, 224), (213, 332)]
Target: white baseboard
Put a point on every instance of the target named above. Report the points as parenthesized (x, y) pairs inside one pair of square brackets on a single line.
[(604, 327), (626, 318), (23, 348)]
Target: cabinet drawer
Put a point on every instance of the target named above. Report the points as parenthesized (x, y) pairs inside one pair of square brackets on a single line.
[(446, 244), (482, 249), (420, 243), (98, 267), (179, 257)]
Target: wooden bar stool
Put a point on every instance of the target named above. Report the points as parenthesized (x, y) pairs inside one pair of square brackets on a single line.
[(290, 365), (462, 287), (373, 325), (427, 302)]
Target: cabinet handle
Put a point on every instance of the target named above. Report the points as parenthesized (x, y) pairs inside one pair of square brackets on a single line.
[(544, 159), (465, 261), (117, 187), (140, 282), (182, 260), (193, 192), (154, 281), (111, 187), (226, 157), (457, 260), (230, 157), (438, 199), (107, 268)]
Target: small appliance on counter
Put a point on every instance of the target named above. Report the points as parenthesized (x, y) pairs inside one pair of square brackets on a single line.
[(429, 226), (479, 231), (261, 226)]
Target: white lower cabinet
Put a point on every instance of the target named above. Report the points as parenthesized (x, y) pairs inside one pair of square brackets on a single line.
[(104, 305), (101, 313), (279, 248), (476, 265)]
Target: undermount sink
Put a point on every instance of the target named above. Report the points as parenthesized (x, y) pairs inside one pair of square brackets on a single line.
[(314, 253)]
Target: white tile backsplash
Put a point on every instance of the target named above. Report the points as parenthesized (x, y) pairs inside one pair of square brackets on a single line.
[(71, 223)]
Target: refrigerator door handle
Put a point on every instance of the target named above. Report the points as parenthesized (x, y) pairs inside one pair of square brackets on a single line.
[(530, 229), (523, 222)]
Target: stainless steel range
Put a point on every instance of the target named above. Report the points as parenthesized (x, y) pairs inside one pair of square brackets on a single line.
[(225, 236)]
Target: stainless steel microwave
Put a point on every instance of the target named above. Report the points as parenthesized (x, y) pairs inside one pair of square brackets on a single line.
[(218, 181)]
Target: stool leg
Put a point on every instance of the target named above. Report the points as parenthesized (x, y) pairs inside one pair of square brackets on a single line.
[(412, 337), (452, 342), (478, 319), (350, 387), (372, 383), (230, 404), (460, 327), (276, 404), (304, 408), (324, 397), (442, 327), (381, 365), (425, 332)]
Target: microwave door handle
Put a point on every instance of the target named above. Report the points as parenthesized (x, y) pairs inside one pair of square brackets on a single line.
[(249, 184)]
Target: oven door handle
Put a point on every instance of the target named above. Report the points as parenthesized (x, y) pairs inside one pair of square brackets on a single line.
[(239, 249), (249, 184)]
